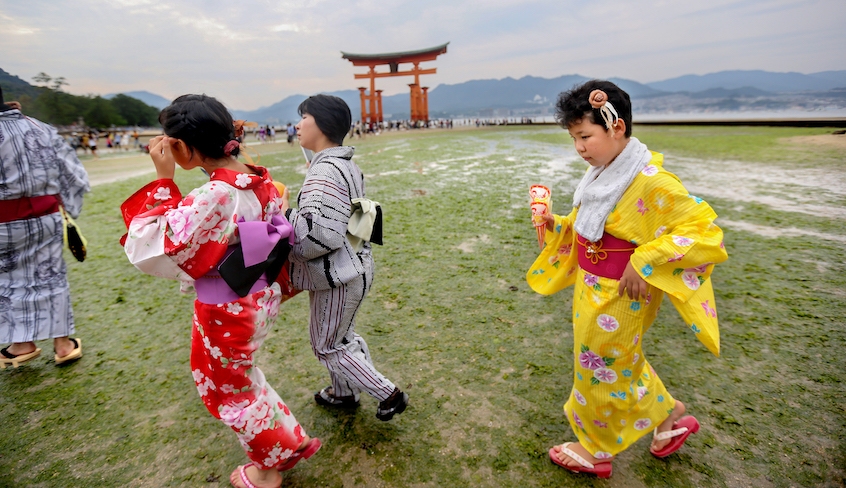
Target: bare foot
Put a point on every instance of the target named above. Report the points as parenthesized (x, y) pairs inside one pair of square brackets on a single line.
[(63, 346), (19, 348), (678, 412), (260, 478), (581, 451)]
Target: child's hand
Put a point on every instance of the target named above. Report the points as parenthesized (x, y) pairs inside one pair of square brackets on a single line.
[(162, 155), (632, 282), (285, 204), (550, 221)]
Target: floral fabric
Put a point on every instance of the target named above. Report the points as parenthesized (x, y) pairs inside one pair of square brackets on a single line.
[(617, 397), (184, 238), (224, 340)]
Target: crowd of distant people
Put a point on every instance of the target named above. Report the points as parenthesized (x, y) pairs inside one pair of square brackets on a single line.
[(95, 141)]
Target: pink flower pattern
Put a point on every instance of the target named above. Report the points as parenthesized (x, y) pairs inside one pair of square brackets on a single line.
[(605, 375), (691, 280), (607, 323), (579, 397), (578, 420), (591, 360), (709, 311), (682, 241)]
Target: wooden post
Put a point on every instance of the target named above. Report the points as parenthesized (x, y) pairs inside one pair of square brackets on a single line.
[(372, 93), (361, 90), (412, 97), (379, 117), (425, 104)]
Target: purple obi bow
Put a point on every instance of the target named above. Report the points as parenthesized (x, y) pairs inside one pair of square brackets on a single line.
[(258, 238)]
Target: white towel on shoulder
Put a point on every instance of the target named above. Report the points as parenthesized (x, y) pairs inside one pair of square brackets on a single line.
[(603, 186)]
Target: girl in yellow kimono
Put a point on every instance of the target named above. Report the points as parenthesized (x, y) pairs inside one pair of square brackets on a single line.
[(634, 234)]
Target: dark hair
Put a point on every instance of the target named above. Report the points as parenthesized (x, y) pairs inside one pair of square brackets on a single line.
[(331, 114), (3, 106), (200, 121), (574, 105)]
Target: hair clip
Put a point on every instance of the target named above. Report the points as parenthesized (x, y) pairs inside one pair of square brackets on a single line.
[(238, 125), (230, 146), (599, 99)]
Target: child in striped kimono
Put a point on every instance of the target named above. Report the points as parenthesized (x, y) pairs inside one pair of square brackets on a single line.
[(337, 274)]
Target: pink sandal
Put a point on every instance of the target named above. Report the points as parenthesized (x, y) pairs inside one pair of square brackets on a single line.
[(601, 470), (681, 431), (312, 447), (241, 471)]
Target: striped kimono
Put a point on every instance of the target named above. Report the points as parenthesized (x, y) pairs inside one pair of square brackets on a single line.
[(34, 293), (337, 277)]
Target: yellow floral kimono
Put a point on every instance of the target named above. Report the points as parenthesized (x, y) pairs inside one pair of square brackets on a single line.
[(617, 397)]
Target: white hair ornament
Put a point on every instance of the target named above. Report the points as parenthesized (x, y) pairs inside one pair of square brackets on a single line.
[(599, 99)]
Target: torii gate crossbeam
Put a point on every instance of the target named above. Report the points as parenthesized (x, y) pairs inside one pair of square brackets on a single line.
[(419, 98)]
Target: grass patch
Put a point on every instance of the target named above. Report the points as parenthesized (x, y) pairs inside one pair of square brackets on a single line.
[(487, 362)]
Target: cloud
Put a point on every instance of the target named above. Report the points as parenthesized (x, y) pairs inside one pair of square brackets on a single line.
[(253, 54)]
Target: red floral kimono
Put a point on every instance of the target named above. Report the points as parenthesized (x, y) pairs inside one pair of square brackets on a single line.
[(185, 239)]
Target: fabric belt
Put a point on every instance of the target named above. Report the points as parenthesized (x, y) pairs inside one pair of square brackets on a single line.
[(28, 207), (212, 289), (606, 257)]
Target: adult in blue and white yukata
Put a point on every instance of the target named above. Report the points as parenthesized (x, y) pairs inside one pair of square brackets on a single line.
[(38, 172)]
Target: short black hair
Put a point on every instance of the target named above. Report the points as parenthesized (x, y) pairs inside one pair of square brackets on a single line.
[(574, 105), (331, 114), (3, 106), (200, 121)]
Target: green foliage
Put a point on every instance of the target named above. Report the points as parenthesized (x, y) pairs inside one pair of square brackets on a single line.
[(102, 113), (487, 362), (134, 111), (50, 104)]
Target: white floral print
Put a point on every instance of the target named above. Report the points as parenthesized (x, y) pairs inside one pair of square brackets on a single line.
[(162, 193), (607, 323), (242, 180)]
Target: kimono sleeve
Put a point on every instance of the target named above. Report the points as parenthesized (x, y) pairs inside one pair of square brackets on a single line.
[(555, 267), (177, 239), (73, 179), (688, 243), (321, 221)]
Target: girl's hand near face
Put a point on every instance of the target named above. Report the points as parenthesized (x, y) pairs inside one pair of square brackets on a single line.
[(285, 204), (633, 283), (163, 159)]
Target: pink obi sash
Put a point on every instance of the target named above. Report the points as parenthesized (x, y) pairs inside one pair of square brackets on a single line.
[(212, 289), (606, 257)]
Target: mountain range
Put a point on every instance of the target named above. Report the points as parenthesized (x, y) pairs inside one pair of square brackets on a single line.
[(737, 90), (534, 96)]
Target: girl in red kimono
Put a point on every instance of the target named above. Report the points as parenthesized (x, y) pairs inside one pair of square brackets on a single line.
[(186, 239)]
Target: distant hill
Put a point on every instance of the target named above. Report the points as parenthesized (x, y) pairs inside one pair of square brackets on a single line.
[(150, 99), (762, 80), (14, 87), (532, 96)]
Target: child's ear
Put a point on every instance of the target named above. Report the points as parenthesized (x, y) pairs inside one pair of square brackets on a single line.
[(180, 150), (619, 128)]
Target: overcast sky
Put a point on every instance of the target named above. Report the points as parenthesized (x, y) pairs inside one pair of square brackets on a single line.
[(251, 54)]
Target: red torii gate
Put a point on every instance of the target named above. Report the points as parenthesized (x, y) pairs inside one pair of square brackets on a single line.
[(419, 97)]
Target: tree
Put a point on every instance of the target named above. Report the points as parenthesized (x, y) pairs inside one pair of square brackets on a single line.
[(135, 111), (101, 113)]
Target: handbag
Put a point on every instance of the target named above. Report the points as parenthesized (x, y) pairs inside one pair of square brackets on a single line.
[(74, 239)]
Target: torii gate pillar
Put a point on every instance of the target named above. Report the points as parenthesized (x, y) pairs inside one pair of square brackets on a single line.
[(371, 103)]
